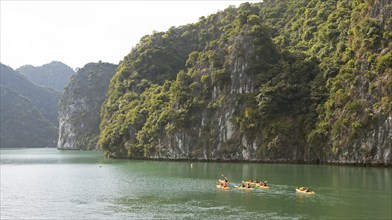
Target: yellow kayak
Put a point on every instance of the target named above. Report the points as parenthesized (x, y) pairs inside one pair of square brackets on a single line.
[(222, 182), (304, 192), (222, 187), (262, 186), (246, 188), (251, 183)]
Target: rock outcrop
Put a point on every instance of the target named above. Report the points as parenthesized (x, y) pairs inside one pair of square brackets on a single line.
[(278, 81), (80, 105)]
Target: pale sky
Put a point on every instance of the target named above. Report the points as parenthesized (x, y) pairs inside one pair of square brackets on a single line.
[(79, 32)]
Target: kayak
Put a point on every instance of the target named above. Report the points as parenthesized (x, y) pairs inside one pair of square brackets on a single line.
[(262, 186), (222, 187), (252, 184), (246, 188), (223, 183), (247, 182), (304, 192)]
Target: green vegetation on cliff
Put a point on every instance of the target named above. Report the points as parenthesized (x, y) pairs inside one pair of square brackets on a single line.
[(352, 42), (278, 80)]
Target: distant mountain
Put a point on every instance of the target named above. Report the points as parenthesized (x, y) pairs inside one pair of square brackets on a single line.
[(55, 74), (80, 105), (28, 111), (45, 99), (22, 124)]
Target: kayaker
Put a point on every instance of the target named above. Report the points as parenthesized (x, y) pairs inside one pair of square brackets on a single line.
[(225, 182), (248, 185)]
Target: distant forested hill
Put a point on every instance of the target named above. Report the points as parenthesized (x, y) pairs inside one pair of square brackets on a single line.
[(28, 112), (80, 105), (55, 74), (22, 124), (45, 99)]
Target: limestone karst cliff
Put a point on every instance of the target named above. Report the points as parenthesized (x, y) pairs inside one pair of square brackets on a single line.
[(289, 81), (79, 107)]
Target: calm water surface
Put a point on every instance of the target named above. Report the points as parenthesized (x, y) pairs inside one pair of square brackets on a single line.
[(51, 184)]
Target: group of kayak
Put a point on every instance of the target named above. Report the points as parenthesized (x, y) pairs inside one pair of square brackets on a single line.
[(251, 185), (248, 185)]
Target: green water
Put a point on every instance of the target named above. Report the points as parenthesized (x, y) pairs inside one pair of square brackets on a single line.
[(52, 184)]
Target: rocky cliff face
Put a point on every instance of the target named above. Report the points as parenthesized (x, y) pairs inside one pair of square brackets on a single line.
[(287, 81), (79, 107), (211, 112), (213, 133), (365, 136), (226, 124), (374, 146)]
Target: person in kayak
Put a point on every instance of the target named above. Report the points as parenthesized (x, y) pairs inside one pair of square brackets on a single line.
[(224, 182), (304, 189)]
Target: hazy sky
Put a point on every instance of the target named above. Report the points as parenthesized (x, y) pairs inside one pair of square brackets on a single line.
[(78, 32)]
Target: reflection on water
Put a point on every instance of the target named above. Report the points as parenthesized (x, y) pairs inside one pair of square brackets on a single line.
[(46, 183)]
